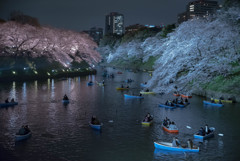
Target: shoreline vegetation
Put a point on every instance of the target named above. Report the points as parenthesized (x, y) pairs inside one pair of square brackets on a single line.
[(201, 56)]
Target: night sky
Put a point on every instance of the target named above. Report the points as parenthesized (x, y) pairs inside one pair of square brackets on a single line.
[(81, 15)]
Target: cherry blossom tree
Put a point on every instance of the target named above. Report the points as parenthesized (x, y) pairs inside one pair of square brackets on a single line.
[(195, 53), (58, 45)]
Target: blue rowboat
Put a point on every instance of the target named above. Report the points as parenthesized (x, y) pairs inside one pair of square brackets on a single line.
[(23, 137), (210, 135), (96, 127), (168, 146), (65, 101), (8, 104), (213, 104), (166, 106), (131, 96), (89, 83)]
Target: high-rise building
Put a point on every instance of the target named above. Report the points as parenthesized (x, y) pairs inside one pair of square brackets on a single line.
[(114, 24), (196, 9)]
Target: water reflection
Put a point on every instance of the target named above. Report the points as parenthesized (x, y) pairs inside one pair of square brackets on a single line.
[(24, 93), (52, 89), (13, 91)]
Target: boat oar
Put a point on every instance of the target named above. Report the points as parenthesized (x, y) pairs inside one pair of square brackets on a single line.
[(189, 127), (212, 128)]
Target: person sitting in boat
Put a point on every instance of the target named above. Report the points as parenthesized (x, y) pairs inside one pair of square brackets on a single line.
[(147, 90), (12, 100), (22, 131), (174, 101), (140, 94), (190, 144), (201, 131), (164, 122), (148, 118), (122, 86), (220, 102), (27, 130), (212, 101), (221, 98), (95, 121), (168, 122), (166, 103), (6, 101), (207, 130), (127, 87), (172, 126), (186, 100), (180, 102), (175, 142), (145, 82), (65, 97)]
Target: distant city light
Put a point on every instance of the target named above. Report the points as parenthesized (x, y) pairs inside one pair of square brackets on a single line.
[(13, 72), (48, 73), (35, 72), (24, 68)]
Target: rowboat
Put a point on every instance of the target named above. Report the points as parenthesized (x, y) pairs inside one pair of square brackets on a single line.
[(90, 83), (166, 106), (212, 104), (23, 137), (119, 88), (225, 101), (142, 92), (181, 105), (96, 127), (132, 96), (175, 130), (168, 146), (65, 101), (200, 137), (185, 96), (8, 104), (147, 123)]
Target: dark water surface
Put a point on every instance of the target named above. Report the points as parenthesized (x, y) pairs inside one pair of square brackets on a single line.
[(62, 132)]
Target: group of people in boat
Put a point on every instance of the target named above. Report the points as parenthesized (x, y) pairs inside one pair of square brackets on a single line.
[(176, 143), (180, 101), (95, 121), (204, 131), (148, 118), (7, 101), (169, 124), (23, 130)]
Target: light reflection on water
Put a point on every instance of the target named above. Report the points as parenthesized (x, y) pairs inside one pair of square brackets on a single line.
[(62, 132)]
